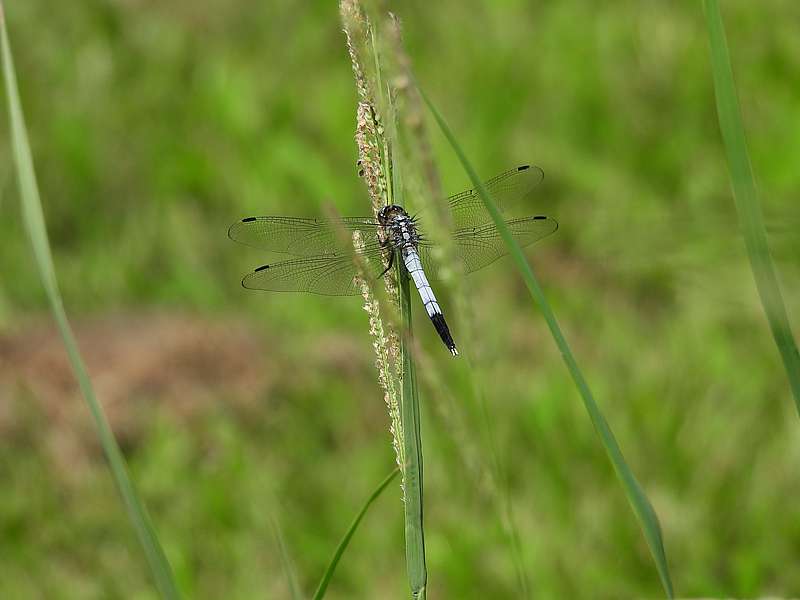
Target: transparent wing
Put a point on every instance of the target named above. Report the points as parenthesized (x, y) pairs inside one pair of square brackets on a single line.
[(481, 245), (301, 237), (505, 189), (331, 274)]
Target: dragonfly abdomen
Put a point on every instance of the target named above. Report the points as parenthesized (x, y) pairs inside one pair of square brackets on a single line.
[(414, 267)]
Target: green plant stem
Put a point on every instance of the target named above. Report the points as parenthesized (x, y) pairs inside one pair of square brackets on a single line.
[(636, 496), (745, 197), (33, 218), (337, 555), (412, 471)]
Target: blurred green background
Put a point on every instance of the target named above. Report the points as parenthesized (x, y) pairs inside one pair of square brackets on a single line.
[(156, 125)]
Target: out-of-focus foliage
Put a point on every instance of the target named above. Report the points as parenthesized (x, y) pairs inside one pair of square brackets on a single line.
[(155, 125)]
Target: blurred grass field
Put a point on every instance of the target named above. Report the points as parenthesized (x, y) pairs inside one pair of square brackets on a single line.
[(154, 126)]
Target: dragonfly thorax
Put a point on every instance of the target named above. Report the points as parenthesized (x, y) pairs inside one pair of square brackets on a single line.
[(399, 228)]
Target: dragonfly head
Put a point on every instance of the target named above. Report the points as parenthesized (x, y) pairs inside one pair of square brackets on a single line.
[(387, 213)]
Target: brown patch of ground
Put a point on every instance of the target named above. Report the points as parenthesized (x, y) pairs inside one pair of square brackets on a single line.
[(184, 363)]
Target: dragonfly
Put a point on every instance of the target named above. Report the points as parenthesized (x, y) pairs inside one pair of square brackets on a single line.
[(322, 262)]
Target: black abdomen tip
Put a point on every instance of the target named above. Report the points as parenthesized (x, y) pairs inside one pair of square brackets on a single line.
[(444, 332)]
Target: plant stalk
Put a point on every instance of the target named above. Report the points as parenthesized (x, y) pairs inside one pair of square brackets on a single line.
[(412, 469)]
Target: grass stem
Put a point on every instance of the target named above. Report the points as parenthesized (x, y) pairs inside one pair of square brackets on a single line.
[(412, 470)]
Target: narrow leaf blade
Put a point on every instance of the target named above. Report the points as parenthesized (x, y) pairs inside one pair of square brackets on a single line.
[(748, 207), (638, 500), (33, 218), (337, 555)]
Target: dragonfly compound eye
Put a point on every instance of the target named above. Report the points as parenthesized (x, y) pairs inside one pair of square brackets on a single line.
[(385, 214)]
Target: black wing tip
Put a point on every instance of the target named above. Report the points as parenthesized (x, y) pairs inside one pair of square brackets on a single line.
[(545, 218), (247, 277), (535, 168), (233, 227)]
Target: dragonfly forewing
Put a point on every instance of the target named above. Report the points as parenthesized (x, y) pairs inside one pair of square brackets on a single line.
[(302, 237)]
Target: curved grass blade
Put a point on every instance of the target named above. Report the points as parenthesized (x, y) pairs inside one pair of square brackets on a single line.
[(412, 470), (641, 505), (326, 577), (33, 218), (748, 208)]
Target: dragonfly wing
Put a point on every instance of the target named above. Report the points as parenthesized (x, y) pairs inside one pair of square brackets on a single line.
[(481, 245), (330, 275), (302, 237), (506, 189)]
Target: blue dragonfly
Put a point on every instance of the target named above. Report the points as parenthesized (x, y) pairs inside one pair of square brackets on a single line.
[(322, 264)]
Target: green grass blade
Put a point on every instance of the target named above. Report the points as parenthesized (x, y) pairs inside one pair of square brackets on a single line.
[(412, 471), (745, 196), (639, 502), (33, 218), (286, 561), (326, 577)]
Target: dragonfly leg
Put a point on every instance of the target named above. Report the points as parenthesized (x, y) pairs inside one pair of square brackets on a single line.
[(391, 263)]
